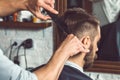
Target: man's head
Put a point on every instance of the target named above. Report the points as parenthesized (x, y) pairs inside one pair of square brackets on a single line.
[(86, 28)]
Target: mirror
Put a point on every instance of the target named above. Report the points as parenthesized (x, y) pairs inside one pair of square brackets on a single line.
[(102, 64), (109, 46)]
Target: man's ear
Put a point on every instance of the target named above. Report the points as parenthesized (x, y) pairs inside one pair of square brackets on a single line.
[(86, 41)]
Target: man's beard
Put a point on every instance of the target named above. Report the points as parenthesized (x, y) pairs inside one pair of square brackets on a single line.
[(89, 58)]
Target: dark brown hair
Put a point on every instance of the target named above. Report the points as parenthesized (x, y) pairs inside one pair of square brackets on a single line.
[(79, 22)]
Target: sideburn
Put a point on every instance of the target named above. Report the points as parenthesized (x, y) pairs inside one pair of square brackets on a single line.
[(89, 58)]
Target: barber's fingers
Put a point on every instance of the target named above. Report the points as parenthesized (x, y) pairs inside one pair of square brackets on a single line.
[(46, 6), (76, 45), (38, 14), (49, 7), (82, 47), (53, 2), (50, 2), (79, 48)]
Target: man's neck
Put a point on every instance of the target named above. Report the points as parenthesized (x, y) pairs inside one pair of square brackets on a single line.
[(78, 59), (74, 65)]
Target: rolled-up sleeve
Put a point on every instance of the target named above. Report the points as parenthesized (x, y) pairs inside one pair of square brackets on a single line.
[(11, 71)]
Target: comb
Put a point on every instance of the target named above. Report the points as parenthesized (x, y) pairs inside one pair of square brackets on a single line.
[(60, 23)]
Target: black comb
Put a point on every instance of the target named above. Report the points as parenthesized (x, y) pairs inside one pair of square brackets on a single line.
[(61, 24)]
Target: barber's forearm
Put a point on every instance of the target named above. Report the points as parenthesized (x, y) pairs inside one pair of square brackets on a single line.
[(52, 70), (70, 46), (58, 61), (10, 6)]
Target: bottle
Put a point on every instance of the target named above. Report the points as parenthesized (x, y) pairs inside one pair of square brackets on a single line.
[(15, 15)]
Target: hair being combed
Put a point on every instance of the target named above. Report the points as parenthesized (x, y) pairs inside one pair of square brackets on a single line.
[(79, 22)]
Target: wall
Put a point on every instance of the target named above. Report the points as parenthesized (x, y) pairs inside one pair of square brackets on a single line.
[(42, 44), (41, 51), (42, 40)]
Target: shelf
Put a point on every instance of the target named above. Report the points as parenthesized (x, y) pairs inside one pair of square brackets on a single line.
[(24, 25)]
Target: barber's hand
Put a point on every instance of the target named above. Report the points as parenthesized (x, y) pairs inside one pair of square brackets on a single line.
[(35, 5), (72, 45)]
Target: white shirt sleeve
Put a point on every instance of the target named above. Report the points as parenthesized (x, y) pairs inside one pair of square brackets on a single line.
[(11, 71)]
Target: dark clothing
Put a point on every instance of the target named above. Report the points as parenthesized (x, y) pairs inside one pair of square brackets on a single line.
[(109, 46), (70, 73)]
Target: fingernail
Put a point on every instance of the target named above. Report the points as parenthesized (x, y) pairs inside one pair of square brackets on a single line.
[(56, 12), (88, 50)]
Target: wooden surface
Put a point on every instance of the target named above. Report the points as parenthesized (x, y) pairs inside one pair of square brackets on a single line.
[(106, 67), (24, 25)]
